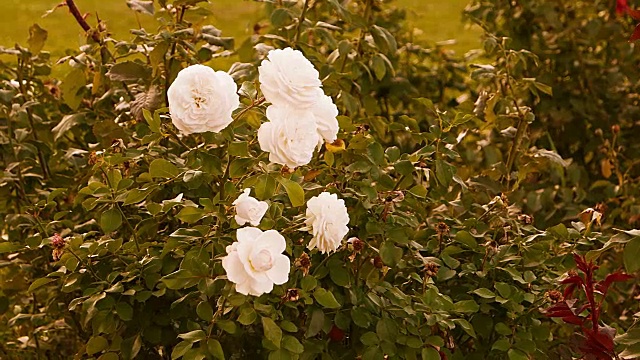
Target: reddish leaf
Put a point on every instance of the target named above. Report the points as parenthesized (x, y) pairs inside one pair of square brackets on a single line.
[(622, 7), (575, 279), (618, 276), (568, 291), (573, 319), (636, 34)]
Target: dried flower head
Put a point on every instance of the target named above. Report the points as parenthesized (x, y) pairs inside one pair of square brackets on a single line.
[(442, 229), (525, 219), (291, 295), (554, 296), (58, 243), (303, 263), (377, 262), (431, 269)]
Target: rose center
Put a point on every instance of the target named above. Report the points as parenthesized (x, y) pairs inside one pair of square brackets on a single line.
[(261, 261), (198, 99)]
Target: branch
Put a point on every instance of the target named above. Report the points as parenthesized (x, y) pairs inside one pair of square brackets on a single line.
[(73, 9)]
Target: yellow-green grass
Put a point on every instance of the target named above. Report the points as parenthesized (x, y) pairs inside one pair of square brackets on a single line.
[(438, 21)]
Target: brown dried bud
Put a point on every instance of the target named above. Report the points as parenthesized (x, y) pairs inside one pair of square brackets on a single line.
[(601, 208), (431, 269), (525, 219), (93, 158), (553, 296), (57, 241), (598, 132), (615, 129), (572, 273), (117, 145), (303, 263), (442, 229), (356, 243), (377, 262), (291, 295)]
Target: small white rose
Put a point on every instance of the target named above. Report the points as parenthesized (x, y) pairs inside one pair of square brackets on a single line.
[(249, 209), (288, 78), (255, 262), (290, 136), (327, 219), (201, 100)]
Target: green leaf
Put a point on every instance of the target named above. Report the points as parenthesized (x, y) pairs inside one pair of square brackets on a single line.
[(501, 345), (503, 289), (96, 344), (6, 247), (135, 196), (145, 7), (385, 41), (124, 311), (326, 298), (240, 166), (430, 353), (466, 306), (265, 187), (215, 349), (181, 349), (484, 293), (153, 121), (279, 354), (67, 122), (204, 311), (190, 214), (515, 354), (444, 172), (71, 86), (466, 326), (272, 331), (38, 283), (193, 336), (631, 255), (37, 38), (292, 344), (163, 169), (390, 253), (110, 220), (387, 329), (247, 316), (109, 356), (128, 71), (180, 279), (294, 191)]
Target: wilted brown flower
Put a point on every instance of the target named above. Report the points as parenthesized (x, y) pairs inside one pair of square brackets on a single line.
[(303, 263), (442, 229), (553, 296), (377, 262), (525, 219), (58, 243), (431, 269), (291, 295)]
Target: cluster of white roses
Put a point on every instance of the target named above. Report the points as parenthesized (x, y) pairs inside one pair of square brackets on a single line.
[(301, 117), (255, 262)]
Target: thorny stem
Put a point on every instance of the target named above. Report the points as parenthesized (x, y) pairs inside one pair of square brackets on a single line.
[(300, 21), (73, 9), (167, 75)]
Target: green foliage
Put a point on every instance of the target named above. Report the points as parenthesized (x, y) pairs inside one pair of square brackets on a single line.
[(444, 261)]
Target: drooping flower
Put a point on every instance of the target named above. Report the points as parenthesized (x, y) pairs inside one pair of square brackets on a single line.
[(287, 78), (290, 137), (201, 100), (249, 209), (255, 262), (327, 219)]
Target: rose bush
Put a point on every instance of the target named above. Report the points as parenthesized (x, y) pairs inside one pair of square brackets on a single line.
[(404, 207)]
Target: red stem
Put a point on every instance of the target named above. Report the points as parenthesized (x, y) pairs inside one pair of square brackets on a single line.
[(73, 9)]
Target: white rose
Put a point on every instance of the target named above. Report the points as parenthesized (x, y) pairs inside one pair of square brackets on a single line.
[(249, 209), (255, 262), (288, 78), (327, 219), (201, 100), (325, 113), (290, 137)]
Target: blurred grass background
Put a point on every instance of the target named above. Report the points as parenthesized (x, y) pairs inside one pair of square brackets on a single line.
[(438, 20)]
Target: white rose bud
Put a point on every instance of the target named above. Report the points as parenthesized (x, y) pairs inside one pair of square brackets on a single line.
[(290, 137), (288, 78), (201, 100), (255, 262), (327, 219), (249, 209)]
